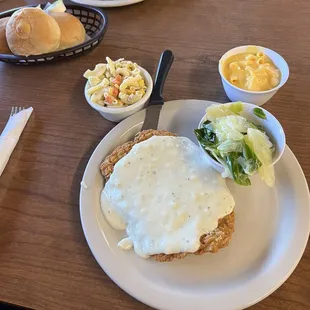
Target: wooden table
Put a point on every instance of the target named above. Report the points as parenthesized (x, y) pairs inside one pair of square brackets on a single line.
[(45, 262)]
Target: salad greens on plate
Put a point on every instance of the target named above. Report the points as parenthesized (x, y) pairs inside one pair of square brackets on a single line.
[(239, 145)]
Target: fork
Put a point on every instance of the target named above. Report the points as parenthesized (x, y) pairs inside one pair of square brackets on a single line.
[(15, 110), (11, 133)]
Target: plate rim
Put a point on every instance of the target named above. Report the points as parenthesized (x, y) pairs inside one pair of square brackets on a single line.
[(129, 290)]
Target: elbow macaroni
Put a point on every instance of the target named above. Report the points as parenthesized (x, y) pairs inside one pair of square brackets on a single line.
[(93, 81), (99, 70), (130, 82), (118, 83), (111, 66), (104, 83), (122, 71), (252, 71)]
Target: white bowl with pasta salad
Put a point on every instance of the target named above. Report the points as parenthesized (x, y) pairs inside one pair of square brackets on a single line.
[(117, 89), (252, 73)]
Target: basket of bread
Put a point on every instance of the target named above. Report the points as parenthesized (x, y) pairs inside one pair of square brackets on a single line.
[(50, 32)]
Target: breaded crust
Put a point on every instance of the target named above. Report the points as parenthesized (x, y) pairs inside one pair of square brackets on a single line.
[(211, 242)]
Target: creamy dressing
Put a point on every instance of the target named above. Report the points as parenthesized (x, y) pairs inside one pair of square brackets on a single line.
[(166, 196)]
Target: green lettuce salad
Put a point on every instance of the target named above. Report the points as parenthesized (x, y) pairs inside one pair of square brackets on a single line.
[(242, 147)]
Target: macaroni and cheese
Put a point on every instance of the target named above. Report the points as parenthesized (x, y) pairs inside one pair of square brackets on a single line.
[(251, 71), (115, 84)]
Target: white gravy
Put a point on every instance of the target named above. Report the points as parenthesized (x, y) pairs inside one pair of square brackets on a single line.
[(166, 196)]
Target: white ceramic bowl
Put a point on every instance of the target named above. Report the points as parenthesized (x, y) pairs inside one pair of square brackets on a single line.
[(118, 114), (272, 126), (256, 97)]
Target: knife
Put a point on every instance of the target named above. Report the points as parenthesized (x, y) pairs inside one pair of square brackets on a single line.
[(156, 102)]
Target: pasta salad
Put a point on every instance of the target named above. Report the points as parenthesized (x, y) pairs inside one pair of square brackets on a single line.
[(115, 84)]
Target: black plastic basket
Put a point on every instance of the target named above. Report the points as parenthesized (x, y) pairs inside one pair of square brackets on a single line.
[(95, 23)]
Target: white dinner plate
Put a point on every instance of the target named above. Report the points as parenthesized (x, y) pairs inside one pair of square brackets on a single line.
[(107, 3), (271, 232)]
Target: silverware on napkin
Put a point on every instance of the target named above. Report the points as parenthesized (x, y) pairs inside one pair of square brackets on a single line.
[(11, 134), (156, 101)]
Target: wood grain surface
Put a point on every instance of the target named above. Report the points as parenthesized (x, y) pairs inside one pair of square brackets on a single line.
[(45, 262)]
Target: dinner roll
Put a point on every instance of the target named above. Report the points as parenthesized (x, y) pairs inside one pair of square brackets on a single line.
[(30, 31), (72, 30), (4, 48)]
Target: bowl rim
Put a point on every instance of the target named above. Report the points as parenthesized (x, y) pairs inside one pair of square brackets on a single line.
[(256, 92), (274, 160), (115, 110)]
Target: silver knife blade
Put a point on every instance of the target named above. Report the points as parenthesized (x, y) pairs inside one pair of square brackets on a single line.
[(152, 114)]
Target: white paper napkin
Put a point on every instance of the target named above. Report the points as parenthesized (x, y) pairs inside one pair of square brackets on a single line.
[(11, 134)]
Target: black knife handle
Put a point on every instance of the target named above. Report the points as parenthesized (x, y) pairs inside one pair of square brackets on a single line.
[(163, 68)]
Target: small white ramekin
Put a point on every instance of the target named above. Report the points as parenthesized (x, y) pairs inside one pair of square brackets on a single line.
[(118, 114), (272, 126), (256, 97)]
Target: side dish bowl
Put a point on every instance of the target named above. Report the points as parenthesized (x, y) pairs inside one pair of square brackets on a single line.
[(272, 126), (116, 114), (235, 93)]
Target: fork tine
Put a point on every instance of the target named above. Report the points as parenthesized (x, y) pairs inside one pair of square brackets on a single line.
[(16, 110)]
